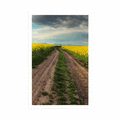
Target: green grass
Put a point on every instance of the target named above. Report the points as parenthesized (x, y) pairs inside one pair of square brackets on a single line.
[(64, 86), (82, 58), (40, 55)]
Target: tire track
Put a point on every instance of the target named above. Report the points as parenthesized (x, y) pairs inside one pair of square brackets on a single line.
[(80, 75), (42, 79)]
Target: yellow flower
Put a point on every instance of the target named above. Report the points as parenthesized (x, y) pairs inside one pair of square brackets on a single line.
[(81, 50), (36, 46)]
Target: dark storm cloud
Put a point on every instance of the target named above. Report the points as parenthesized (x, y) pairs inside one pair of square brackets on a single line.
[(68, 21)]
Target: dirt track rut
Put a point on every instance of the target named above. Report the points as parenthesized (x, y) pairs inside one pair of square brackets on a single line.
[(80, 75), (42, 79)]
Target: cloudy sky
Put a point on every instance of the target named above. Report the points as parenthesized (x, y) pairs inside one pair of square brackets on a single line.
[(60, 29)]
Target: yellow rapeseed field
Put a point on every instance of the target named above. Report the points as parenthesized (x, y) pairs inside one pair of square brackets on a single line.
[(82, 50), (36, 46)]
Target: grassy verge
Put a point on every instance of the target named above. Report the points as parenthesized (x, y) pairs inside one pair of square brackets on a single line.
[(39, 55), (82, 58), (64, 86)]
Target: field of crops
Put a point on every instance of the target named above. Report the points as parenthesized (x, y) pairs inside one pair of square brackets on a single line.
[(40, 52), (57, 72), (79, 52), (36, 46)]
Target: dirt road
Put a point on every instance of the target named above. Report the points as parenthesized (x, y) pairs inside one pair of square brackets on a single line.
[(42, 79), (80, 75)]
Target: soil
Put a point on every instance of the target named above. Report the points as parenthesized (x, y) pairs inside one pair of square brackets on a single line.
[(42, 79)]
